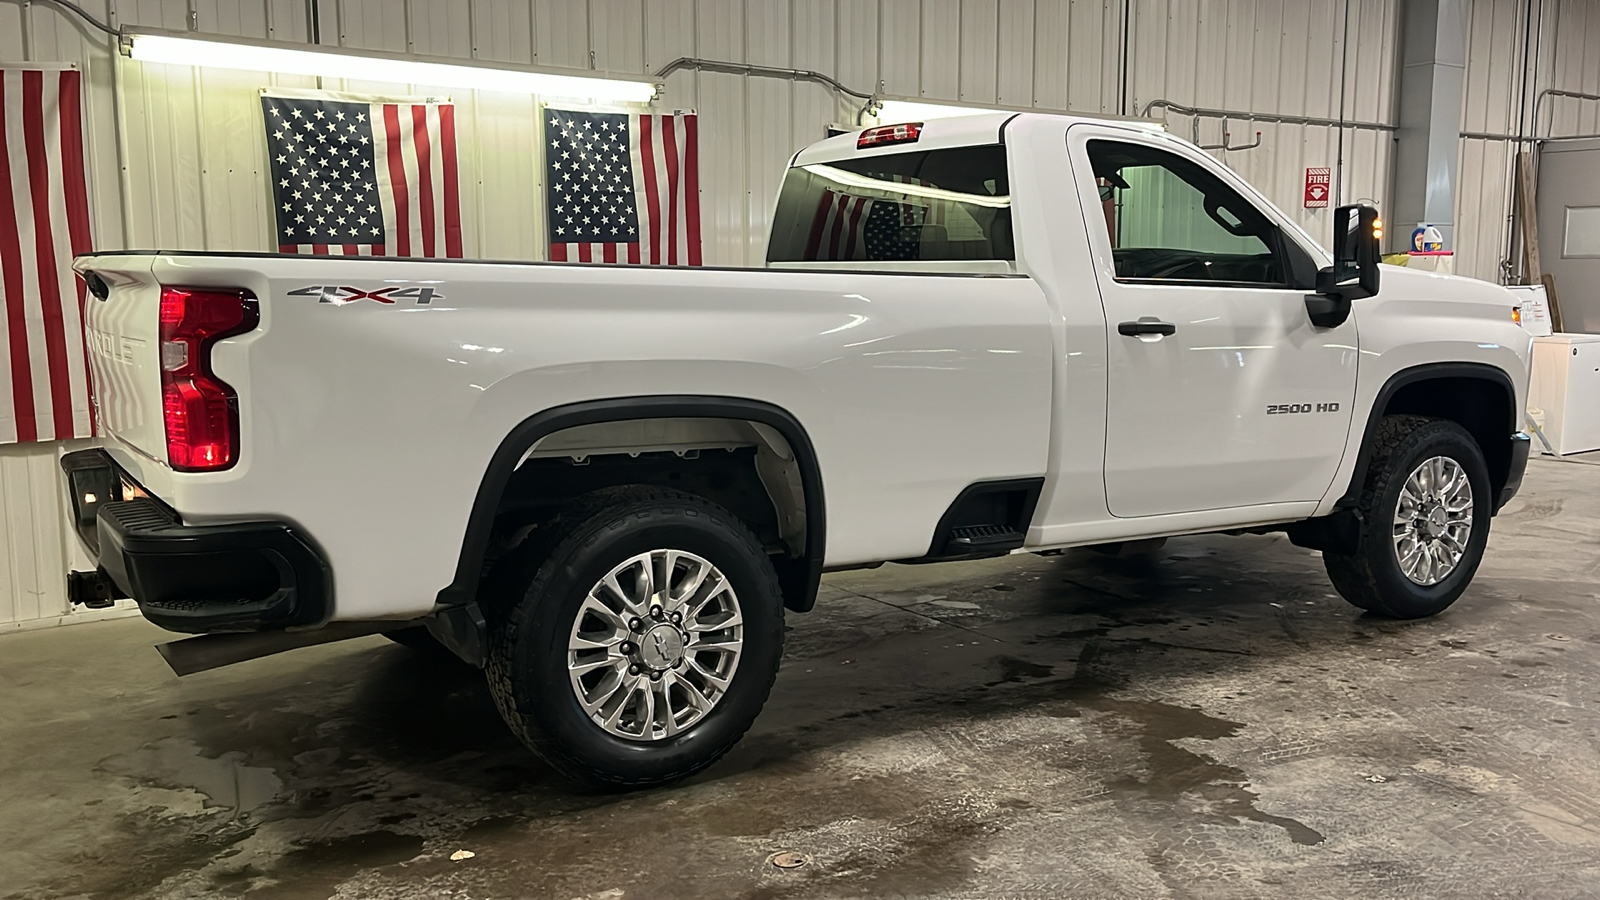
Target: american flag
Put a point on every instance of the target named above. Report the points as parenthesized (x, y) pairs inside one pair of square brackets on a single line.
[(44, 222), (623, 187), (848, 227), (352, 177)]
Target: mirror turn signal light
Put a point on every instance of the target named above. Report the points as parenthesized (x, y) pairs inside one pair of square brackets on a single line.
[(1516, 314)]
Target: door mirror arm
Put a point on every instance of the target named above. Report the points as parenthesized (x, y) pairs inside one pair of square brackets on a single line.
[(1357, 231), (1327, 310)]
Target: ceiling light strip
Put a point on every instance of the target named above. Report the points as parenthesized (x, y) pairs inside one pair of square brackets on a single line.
[(297, 60)]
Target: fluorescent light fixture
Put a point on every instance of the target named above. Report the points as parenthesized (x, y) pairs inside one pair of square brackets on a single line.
[(292, 59), (892, 111)]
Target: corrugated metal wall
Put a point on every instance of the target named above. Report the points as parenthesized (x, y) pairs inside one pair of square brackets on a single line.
[(178, 162), (192, 174), (1277, 56), (35, 547), (32, 580), (1515, 50)]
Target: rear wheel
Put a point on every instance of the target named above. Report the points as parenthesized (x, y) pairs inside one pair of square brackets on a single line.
[(637, 642), (1424, 515)]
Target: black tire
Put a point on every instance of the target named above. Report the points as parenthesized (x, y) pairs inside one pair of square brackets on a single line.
[(1372, 577), (537, 597)]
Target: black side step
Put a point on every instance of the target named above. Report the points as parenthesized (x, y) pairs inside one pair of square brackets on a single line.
[(989, 518), (984, 537)]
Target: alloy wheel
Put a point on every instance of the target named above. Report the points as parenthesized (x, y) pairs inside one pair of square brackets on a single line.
[(655, 645), (1433, 520)]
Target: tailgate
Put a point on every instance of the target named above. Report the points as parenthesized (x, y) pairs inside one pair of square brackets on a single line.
[(122, 327)]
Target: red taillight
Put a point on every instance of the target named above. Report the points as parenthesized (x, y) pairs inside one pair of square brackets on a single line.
[(903, 133), (201, 410)]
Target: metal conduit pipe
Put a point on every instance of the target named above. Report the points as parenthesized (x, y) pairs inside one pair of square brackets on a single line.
[(1491, 136), (1281, 119), (1538, 105), (1556, 92), (736, 68)]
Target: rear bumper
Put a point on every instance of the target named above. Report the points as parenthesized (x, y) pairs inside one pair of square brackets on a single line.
[(1520, 445), (250, 576)]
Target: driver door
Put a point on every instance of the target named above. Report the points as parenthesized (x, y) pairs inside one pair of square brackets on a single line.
[(1220, 391)]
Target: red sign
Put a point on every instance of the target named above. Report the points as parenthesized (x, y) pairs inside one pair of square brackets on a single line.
[(1319, 181)]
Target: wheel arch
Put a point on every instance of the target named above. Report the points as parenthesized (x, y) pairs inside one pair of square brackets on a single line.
[(799, 578), (1479, 397)]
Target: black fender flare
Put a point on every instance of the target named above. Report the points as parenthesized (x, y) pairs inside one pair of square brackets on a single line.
[(799, 580), (1405, 377)]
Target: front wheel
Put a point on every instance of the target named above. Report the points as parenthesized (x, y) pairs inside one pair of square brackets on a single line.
[(1424, 514), (637, 643)]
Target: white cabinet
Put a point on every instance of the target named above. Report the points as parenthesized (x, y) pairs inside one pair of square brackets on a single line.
[(1566, 385)]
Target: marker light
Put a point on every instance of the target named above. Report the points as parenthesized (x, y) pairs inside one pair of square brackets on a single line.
[(295, 60), (904, 133)]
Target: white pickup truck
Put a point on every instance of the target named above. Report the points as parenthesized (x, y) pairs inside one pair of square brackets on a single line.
[(606, 484)]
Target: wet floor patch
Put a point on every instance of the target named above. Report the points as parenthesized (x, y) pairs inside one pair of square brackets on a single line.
[(226, 782)]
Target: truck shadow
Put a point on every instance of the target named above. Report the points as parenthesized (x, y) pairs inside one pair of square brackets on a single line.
[(1083, 627), (1057, 682)]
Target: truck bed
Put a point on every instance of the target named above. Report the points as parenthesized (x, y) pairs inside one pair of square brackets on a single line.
[(374, 391)]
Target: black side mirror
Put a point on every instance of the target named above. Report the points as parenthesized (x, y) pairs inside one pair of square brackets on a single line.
[(1354, 273)]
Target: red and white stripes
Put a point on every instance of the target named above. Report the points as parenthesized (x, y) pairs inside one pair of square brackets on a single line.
[(664, 153), (418, 184), (836, 229), (333, 249), (416, 154), (44, 222)]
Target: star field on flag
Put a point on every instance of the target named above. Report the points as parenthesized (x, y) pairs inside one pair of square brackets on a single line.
[(357, 177)]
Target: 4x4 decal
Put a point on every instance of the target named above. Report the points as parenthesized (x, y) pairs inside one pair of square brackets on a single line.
[(331, 293)]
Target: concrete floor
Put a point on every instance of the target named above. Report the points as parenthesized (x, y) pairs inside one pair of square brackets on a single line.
[(1210, 721)]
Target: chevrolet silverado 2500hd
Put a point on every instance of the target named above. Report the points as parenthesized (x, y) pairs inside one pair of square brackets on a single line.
[(606, 485)]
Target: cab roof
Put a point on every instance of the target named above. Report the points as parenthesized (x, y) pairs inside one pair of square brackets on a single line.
[(957, 131)]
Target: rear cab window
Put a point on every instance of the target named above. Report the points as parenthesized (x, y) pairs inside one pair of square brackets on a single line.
[(893, 211)]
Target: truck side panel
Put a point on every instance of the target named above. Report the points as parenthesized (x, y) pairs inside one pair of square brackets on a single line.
[(370, 424)]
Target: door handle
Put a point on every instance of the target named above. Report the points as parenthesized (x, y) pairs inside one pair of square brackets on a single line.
[(1146, 325)]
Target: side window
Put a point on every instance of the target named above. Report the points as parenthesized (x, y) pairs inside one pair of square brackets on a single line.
[(1170, 220)]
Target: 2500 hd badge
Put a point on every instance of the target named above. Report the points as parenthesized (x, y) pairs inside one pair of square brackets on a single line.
[(1278, 409)]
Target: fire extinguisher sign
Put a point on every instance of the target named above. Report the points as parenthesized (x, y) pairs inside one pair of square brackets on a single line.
[(1319, 183)]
